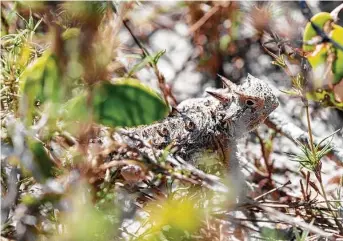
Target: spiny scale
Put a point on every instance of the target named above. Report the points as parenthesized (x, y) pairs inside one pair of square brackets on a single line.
[(198, 124)]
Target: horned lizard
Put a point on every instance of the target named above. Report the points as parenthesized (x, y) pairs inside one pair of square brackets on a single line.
[(211, 123)]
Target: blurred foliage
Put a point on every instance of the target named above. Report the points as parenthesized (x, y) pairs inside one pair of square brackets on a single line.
[(127, 103), (175, 218), (326, 59), (213, 39), (86, 221), (62, 84), (67, 85)]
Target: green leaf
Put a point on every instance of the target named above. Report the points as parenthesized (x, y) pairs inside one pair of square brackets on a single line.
[(325, 138), (158, 56), (147, 60), (139, 66), (319, 20), (127, 103), (40, 82), (76, 108), (51, 86), (42, 166), (337, 67), (291, 92), (71, 33)]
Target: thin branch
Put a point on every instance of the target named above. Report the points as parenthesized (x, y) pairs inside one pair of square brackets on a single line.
[(291, 220), (272, 190), (203, 19)]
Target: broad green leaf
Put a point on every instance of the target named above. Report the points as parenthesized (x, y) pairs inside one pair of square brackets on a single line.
[(127, 103), (337, 67), (31, 78), (75, 112), (51, 86), (318, 57), (319, 20), (323, 56), (40, 82)]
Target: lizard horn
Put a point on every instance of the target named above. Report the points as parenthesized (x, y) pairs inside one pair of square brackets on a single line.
[(227, 82), (222, 98), (174, 111)]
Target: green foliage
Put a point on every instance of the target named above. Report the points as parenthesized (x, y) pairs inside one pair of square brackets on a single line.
[(40, 82), (319, 20), (148, 60), (271, 234), (73, 91), (326, 59), (18, 52), (77, 109), (304, 236), (42, 161), (86, 222), (337, 67), (125, 103), (174, 218), (310, 159)]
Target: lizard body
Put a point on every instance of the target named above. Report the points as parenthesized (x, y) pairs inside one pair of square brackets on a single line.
[(213, 122), (204, 129)]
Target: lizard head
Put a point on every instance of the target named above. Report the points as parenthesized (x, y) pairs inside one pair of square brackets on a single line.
[(251, 103)]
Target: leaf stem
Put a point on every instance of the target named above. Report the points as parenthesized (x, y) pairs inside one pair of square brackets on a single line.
[(309, 126)]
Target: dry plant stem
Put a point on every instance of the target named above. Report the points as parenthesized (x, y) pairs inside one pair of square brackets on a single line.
[(203, 19), (328, 204), (309, 126), (269, 166), (159, 75), (291, 220), (273, 190), (199, 177), (284, 66)]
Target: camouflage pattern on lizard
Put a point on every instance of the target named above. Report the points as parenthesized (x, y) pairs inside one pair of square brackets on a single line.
[(213, 122), (209, 124), (206, 129)]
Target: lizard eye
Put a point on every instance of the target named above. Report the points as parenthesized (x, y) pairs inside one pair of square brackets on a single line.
[(250, 103), (190, 125)]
